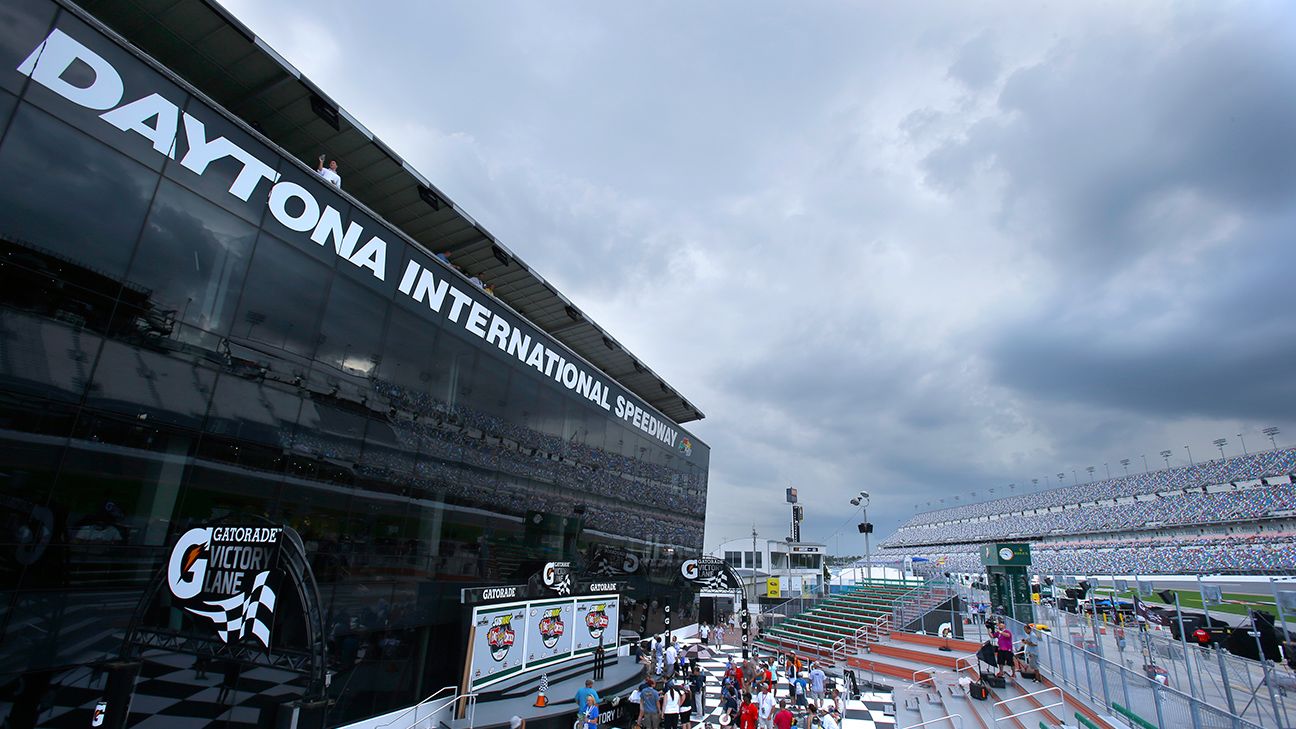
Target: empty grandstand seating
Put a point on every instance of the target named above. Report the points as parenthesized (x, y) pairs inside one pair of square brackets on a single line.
[(838, 626)]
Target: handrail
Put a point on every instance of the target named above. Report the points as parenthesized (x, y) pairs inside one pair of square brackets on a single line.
[(957, 661), (950, 718), (1000, 704), (433, 709), (417, 706), (931, 672)]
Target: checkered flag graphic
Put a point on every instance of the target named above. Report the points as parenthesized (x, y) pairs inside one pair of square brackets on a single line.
[(602, 566), (718, 581), (242, 615), (564, 587)]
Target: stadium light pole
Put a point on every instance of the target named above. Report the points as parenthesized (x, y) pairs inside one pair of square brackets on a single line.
[(1145, 465), (1220, 443), (1090, 470), (1243, 439), (1271, 431), (863, 501), (1108, 470), (1166, 455), (1190, 458), (1060, 476), (1125, 464)]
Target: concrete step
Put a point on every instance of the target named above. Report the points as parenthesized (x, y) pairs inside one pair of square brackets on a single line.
[(961, 647), (916, 654)]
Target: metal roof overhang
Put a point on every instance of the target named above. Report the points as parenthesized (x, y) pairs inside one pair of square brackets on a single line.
[(208, 47)]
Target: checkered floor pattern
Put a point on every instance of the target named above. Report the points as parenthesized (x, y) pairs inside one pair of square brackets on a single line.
[(169, 695), (869, 712)]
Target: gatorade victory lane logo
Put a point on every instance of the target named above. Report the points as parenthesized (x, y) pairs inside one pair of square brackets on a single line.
[(596, 620), (551, 627), (222, 574), (500, 637)]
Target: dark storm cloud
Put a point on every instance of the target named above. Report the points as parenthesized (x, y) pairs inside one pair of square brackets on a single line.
[(1097, 142), (923, 251)]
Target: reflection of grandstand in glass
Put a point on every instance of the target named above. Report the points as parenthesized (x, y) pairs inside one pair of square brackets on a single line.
[(181, 350), (1234, 515)]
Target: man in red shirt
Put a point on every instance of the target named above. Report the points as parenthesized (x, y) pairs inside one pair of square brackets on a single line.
[(783, 719), (738, 677), (748, 714)]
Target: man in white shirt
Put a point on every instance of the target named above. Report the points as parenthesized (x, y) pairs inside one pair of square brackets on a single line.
[(828, 719), (672, 659), (765, 702), (330, 173)]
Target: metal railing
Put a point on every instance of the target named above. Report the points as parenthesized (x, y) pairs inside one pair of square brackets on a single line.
[(416, 708), (1001, 704), (955, 719), (1082, 667)]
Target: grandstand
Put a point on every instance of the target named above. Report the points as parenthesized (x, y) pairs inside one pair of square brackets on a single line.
[(1235, 515), (838, 627)]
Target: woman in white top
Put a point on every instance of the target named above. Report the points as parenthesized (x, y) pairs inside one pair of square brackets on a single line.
[(672, 705)]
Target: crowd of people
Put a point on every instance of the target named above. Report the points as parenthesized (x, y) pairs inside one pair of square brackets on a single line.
[(672, 695), (1168, 497), (1167, 509), (1253, 553), (1279, 462)]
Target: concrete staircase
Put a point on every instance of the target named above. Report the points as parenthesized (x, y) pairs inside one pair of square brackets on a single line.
[(926, 685), (842, 625)]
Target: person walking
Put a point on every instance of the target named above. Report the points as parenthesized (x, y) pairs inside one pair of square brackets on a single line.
[(1004, 638), (749, 714), (585, 693), (650, 706), (672, 705), (817, 678), (704, 633), (784, 718), (591, 712), (766, 704), (697, 686)]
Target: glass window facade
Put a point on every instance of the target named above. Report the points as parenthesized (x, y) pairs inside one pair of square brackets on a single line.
[(171, 354)]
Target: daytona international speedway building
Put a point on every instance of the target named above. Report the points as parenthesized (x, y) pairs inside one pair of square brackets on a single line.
[(259, 443)]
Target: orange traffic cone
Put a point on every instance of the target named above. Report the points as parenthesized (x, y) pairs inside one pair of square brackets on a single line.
[(541, 701)]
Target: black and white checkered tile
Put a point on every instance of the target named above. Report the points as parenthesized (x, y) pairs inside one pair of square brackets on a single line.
[(169, 694), (871, 711)]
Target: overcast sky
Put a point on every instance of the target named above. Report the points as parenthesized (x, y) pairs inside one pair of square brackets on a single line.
[(923, 249)]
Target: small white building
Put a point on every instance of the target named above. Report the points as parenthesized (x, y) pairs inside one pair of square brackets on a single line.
[(795, 568)]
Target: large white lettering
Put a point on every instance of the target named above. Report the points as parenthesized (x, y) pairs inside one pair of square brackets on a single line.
[(160, 121), (132, 117), (56, 54)]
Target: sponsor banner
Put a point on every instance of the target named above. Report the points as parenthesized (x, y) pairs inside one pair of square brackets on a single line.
[(558, 577), (550, 627), (772, 587), (501, 593), (709, 573), (226, 577), (498, 643), (520, 636), (613, 562), (806, 549), (599, 620), (513, 593)]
